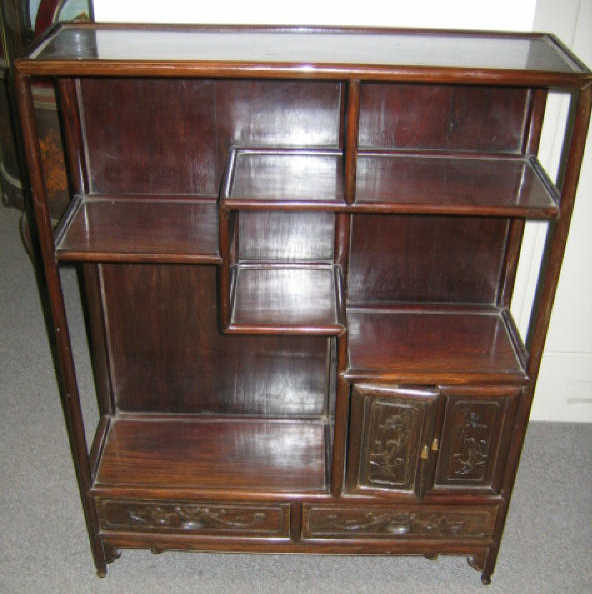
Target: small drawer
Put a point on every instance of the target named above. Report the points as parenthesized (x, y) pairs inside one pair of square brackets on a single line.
[(220, 519), (398, 522)]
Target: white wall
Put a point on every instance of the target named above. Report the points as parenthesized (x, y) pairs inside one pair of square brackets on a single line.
[(564, 391), (502, 14)]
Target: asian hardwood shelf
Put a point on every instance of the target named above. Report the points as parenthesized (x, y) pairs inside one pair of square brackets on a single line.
[(286, 299), (390, 183), (434, 344), (446, 184), (246, 407), (311, 52), (284, 179), (150, 455), (139, 229)]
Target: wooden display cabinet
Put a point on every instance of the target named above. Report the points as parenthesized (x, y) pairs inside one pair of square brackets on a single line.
[(298, 248)]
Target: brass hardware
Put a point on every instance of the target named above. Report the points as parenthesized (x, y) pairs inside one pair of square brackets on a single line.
[(424, 452), (435, 444)]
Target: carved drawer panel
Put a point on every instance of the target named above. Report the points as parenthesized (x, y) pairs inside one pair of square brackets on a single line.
[(243, 520), (395, 522)]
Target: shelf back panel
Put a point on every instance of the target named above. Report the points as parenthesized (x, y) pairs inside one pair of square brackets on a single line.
[(442, 117), (286, 236), (167, 354), (422, 258), (178, 143)]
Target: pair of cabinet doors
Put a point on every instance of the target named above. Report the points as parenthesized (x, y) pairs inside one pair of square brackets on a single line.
[(422, 440)]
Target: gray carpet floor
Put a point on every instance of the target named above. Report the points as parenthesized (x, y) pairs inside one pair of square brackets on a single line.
[(43, 545)]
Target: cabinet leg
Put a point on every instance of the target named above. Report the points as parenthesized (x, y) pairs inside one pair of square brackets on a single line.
[(477, 561), (484, 563), (111, 553)]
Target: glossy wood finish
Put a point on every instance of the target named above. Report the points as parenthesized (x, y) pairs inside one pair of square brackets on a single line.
[(167, 158), (442, 118), (263, 113), (425, 184), (308, 52), (205, 454), (318, 186), (277, 236), (278, 179), (351, 138), (116, 228), (393, 183), (432, 345), (294, 299), (146, 305), (418, 269)]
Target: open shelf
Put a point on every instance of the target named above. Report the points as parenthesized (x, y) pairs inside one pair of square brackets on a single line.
[(286, 299), (284, 178), (139, 229), (434, 344), (214, 455), (390, 183), (454, 185)]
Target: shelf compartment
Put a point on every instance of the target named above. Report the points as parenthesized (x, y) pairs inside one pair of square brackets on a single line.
[(286, 299), (180, 456), (390, 183), (445, 184), (260, 179), (435, 344), (139, 229)]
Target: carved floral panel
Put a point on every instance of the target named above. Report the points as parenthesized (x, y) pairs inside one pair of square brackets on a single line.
[(469, 441), (391, 522), (206, 518), (391, 442)]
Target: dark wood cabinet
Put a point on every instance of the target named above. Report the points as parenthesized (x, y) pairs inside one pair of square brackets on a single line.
[(297, 250), (416, 440)]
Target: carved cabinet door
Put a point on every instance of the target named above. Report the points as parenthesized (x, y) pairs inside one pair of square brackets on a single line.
[(391, 432), (475, 437)]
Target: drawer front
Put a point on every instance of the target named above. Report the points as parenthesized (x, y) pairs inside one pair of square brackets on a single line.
[(221, 519), (397, 522)]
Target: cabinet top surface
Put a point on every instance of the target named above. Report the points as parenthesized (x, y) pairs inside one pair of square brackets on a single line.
[(308, 52)]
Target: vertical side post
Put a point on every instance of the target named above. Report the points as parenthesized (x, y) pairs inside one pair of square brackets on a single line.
[(558, 230), (57, 324), (351, 138), (224, 281), (573, 153), (88, 273), (532, 139)]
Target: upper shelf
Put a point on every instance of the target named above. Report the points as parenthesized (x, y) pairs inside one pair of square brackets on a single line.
[(311, 52), (455, 185), (139, 229), (284, 178), (287, 299), (390, 183)]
